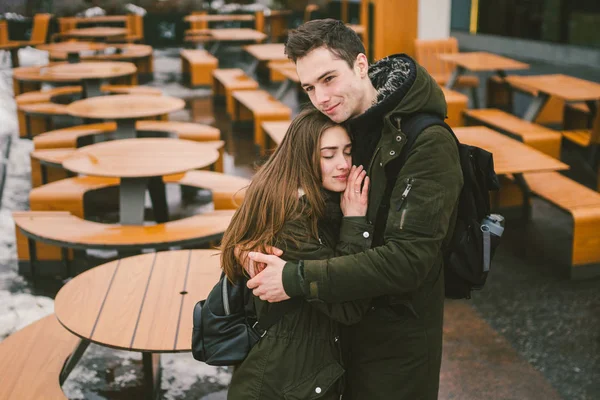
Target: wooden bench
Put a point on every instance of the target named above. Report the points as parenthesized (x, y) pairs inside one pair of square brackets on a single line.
[(260, 106), (78, 136), (226, 81), (32, 360), (36, 118), (584, 206), (199, 66), (457, 105), (543, 139), (39, 228)]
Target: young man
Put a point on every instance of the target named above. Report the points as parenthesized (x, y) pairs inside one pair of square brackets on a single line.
[(395, 351)]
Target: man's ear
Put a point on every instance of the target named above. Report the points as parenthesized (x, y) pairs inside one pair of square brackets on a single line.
[(361, 65)]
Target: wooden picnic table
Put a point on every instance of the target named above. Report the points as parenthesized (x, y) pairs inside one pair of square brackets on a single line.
[(219, 18), (97, 33), (479, 62), (90, 74), (565, 87), (288, 70), (125, 109), (101, 19), (218, 36), (70, 50), (141, 164), (13, 48), (510, 157), (142, 303), (265, 53)]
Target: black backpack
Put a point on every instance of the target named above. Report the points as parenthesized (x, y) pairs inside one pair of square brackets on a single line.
[(225, 324), (477, 233)]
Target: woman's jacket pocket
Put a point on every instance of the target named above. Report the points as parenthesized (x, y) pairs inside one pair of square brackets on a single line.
[(319, 385)]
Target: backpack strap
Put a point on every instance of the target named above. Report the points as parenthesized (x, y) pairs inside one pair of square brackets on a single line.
[(276, 312), (412, 126)]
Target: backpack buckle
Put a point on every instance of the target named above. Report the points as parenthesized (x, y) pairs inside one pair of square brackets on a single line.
[(258, 329)]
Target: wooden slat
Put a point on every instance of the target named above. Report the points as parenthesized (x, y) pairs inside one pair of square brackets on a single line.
[(562, 191), (157, 326), (32, 358), (482, 61), (261, 102), (77, 306), (119, 316), (581, 137), (510, 156), (562, 86), (541, 138), (97, 235), (204, 273)]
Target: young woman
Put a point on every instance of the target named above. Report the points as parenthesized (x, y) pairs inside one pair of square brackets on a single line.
[(295, 203)]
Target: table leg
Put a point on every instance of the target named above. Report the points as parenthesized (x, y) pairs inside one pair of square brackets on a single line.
[(535, 107), (283, 89), (252, 68), (91, 88), (152, 375), (14, 57), (125, 129), (73, 58), (458, 71), (214, 48), (522, 183), (73, 360), (158, 195), (132, 193)]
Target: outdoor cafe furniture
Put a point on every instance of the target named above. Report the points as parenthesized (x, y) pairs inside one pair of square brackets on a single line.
[(264, 53), (99, 33), (219, 36), (479, 62), (70, 51), (89, 74), (125, 109), (567, 88), (141, 164), (142, 303)]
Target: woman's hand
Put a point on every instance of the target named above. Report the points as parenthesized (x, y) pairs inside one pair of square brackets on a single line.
[(355, 198)]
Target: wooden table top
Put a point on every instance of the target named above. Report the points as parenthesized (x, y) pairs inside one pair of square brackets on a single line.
[(259, 101), (124, 106), (563, 86), (97, 32), (140, 303), (219, 17), (71, 47), (139, 158), (482, 61), (101, 19), (510, 156), (235, 34), (452, 96), (267, 51), (87, 70), (276, 129)]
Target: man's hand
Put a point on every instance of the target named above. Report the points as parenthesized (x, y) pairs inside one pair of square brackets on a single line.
[(252, 268), (268, 284)]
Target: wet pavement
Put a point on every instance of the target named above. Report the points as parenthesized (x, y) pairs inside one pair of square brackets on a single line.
[(530, 334)]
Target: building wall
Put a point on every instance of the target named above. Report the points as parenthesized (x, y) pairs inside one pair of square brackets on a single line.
[(434, 19)]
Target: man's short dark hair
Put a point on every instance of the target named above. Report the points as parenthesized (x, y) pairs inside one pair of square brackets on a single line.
[(333, 34)]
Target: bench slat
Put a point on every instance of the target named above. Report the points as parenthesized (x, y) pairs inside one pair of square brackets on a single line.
[(78, 233), (543, 139), (562, 191), (32, 358)]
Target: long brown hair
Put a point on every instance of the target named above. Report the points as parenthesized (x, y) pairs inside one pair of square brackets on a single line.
[(272, 198)]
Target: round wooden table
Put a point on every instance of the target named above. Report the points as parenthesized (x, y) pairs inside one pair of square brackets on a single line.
[(97, 32), (142, 303), (125, 109), (141, 164), (70, 50), (90, 73)]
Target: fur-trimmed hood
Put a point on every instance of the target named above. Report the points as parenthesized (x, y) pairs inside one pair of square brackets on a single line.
[(404, 87)]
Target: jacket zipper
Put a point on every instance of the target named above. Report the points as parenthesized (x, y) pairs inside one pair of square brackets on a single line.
[(405, 193), (225, 297)]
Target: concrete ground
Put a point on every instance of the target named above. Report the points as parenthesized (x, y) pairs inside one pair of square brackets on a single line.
[(530, 334)]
